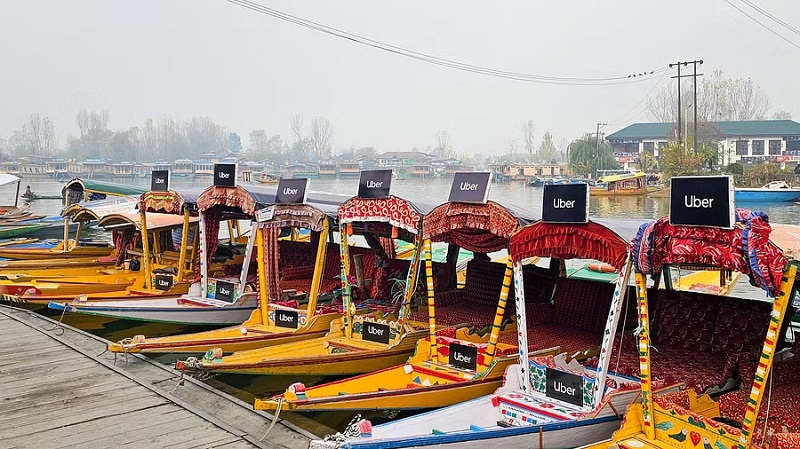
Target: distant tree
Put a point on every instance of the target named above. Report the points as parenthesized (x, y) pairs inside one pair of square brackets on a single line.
[(782, 115), (757, 175), (528, 137), (719, 99), (547, 150), (297, 128), (587, 156), (320, 140), (148, 141), (677, 160), (735, 168), (647, 162), (562, 150), (234, 143), (443, 148), (36, 137)]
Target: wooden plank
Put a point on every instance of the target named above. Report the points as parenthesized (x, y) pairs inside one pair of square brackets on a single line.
[(14, 424), (17, 401), (99, 429)]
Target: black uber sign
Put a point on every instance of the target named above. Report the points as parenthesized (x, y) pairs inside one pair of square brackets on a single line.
[(224, 291), (286, 318), (379, 333), (159, 180), (702, 201), (565, 387), (463, 356), (225, 175), (292, 191), (567, 203), (374, 183), (470, 187), (163, 283)]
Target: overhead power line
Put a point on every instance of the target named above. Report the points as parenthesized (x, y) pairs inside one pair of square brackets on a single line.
[(771, 16), (760, 23), (449, 63)]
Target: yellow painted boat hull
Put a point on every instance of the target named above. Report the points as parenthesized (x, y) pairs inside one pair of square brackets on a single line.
[(622, 192), (102, 292), (56, 263), (252, 334), (50, 253), (333, 355), (418, 384)]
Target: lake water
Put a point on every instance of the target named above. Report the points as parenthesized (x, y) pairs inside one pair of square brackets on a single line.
[(431, 190)]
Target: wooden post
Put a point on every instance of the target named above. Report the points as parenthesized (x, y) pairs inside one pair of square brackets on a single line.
[(431, 304), (612, 321), (344, 254), (522, 330), (263, 288), (201, 230), (491, 349), (644, 356), (358, 265), (184, 244), (145, 250), (319, 267), (767, 356), (411, 279), (248, 256), (195, 246)]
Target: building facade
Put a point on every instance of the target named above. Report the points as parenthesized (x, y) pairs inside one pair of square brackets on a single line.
[(746, 141)]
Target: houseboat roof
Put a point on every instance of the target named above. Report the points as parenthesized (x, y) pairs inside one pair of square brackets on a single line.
[(622, 177)]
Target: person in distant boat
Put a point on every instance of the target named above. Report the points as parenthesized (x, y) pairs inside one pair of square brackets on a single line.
[(28, 192)]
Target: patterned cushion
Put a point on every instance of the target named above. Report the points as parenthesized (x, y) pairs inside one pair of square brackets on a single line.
[(685, 324), (784, 372), (739, 330), (549, 335), (784, 410)]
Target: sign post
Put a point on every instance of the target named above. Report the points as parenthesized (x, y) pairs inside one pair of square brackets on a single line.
[(292, 191), (374, 184), (702, 201), (225, 175), (159, 181), (568, 203), (470, 187)]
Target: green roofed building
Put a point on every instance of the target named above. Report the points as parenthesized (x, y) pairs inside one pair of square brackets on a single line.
[(746, 142)]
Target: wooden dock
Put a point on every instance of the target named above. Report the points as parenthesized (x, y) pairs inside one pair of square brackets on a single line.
[(61, 389)]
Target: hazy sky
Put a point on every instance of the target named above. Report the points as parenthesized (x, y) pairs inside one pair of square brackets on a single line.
[(245, 70)]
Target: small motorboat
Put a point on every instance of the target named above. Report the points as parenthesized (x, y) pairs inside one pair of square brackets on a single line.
[(775, 191)]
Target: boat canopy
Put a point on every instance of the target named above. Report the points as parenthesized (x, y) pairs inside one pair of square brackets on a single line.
[(482, 228), (305, 216), (6, 178), (567, 241), (78, 189), (746, 248), (97, 209), (622, 177), (396, 211), (155, 221), (170, 202)]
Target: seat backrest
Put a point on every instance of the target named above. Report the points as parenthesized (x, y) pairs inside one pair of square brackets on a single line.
[(582, 304), (483, 283)]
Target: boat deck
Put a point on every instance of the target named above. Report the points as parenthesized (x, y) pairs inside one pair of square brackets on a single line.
[(61, 389)]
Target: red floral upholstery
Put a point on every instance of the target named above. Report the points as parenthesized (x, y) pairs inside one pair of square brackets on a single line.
[(685, 324), (785, 441), (739, 330), (476, 303), (550, 335)]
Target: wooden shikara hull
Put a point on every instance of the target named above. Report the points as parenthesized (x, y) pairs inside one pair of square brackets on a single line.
[(622, 192), (132, 292), (474, 424), (162, 310), (394, 389), (17, 231), (50, 253), (60, 263), (230, 339), (327, 356)]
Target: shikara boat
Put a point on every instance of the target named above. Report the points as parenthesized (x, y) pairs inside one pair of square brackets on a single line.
[(12, 213), (7, 232), (687, 419), (629, 184), (357, 342), (37, 287), (452, 364), (226, 294), (306, 271), (543, 399), (77, 190)]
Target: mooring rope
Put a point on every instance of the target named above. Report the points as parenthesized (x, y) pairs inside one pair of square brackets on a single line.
[(274, 418)]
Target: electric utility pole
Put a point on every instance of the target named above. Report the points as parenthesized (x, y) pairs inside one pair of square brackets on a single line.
[(597, 141), (694, 75)]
